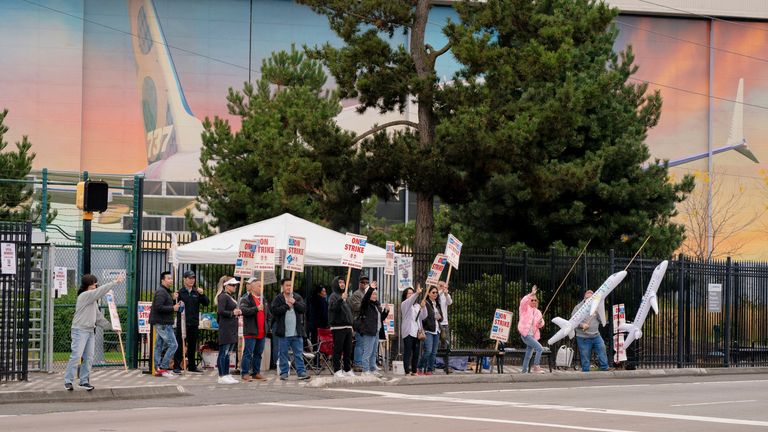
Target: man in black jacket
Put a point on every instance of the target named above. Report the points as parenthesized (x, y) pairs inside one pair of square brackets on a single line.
[(340, 320), (161, 317), (256, 319), (193, 297), (288, 309)]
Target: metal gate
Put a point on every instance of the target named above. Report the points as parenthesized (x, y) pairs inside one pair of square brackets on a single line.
[(15, 288)]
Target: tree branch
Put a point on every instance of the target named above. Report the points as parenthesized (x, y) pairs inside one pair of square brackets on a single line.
[(384, 126), (433, 55)]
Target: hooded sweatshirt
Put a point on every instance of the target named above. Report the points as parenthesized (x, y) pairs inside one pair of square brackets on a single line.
[(339, 312), (87, 312)]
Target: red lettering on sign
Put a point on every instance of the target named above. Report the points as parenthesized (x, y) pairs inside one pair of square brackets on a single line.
[(353, 248)]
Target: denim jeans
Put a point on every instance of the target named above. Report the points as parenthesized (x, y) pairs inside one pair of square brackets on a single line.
[(427, 361), (165, 341), (222, 361), (586, 345), (82, 347), (370, 345), (531, 345), (252, 352), (357, 358), (296, 344)]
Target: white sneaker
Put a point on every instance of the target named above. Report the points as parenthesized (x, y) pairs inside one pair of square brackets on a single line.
[(339, 374), (376, 369), (223, 380), (232, 379), (169, 374), (350, 373), (368, 373)]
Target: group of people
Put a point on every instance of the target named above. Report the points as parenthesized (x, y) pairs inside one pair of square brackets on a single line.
[(356, 322)]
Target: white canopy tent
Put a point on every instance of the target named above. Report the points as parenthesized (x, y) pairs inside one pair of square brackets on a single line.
[(324, 245)]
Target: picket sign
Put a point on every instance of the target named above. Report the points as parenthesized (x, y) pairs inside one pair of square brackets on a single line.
[(452, 254), (353, 253), (114, 317)]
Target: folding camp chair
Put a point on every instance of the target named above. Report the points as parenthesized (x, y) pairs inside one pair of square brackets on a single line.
[(318, 358)]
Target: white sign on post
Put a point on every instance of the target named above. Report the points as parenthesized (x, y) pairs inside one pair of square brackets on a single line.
[(502, 322), (453, 251), (8, 258), (619, 318), (438, 265), (294, 254), (60, 280), (354, 250), (714, 297), (389, 263), (265, 254), (389, 323), (404, 272), (143, 312), (245, 263), (113, 316)]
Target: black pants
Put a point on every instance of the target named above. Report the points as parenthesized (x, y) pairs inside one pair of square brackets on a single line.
[(410, 354), (191, 348), (342, 345)]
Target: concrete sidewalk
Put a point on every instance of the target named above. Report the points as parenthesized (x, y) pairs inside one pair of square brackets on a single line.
[(117, 384)]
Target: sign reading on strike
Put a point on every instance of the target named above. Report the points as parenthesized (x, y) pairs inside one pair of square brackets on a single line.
[(113, 316), (354, 249), (245, 263), (433, 277), (404, 272), (143, 312), (502, 322), (265, 254), (294, 254), (8, 258), (389, 323), (389, 263), (453, 251)]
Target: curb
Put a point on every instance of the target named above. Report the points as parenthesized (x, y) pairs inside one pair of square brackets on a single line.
[(362, 381), (113, 393)]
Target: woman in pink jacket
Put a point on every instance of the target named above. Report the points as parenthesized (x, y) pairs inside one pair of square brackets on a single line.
[(528, 325)]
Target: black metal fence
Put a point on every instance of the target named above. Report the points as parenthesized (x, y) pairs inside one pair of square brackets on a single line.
[(15, 287), (683, 334)]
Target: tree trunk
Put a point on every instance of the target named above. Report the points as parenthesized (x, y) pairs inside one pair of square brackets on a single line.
[(425, 219)]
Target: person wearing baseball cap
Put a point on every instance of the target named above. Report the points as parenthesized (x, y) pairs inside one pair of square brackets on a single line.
[(255, 324), (192, 297), (228, 312)]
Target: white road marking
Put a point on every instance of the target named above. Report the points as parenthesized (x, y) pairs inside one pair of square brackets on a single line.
[(714, 403), (544, 389), (559, 408), (440, 416)]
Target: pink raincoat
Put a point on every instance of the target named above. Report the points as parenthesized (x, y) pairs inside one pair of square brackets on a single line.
[(529, 317)]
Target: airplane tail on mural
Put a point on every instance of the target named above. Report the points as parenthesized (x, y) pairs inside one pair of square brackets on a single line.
[(173, 133)]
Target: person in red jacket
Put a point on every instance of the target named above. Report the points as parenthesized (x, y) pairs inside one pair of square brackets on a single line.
[(528, 325)]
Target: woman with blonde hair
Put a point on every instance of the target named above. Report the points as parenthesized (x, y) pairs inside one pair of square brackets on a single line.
[(528, 325)]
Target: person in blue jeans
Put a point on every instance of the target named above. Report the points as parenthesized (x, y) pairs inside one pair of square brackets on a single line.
[(255, 324), (355, 303), (161, 317), (83, 330), (288, 312), (589, 340), (528, 325), (369, 325), (431, 326)]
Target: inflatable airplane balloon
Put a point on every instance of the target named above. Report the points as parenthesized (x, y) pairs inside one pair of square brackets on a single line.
[(591, 306), (649, 301)]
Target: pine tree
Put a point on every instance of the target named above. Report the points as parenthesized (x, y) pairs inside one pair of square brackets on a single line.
[(17, 200), (556, 129)]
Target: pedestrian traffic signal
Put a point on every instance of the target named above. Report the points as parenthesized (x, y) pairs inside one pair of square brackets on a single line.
[(92, 196)]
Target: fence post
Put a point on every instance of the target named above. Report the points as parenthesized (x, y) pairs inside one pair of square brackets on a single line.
[(612, 269), (27, 294), (736, 306), (504, 277), (132, 339), (727, 315), (44, 211), (552, 270), (680, 309)]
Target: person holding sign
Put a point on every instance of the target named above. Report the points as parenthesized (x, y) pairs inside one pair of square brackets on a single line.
[(83, 329), (161, 316), (227, 317), (588, 339), (444, 300), (355, 302), (289, 308), (528, 324), (255, 325), (431, 325), (369, 323), (192, 297), (340, 320)]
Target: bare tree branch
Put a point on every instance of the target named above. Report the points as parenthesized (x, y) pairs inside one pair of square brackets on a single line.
[(384, 126)]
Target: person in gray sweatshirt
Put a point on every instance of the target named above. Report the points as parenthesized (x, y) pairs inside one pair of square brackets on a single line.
[(87, 317)]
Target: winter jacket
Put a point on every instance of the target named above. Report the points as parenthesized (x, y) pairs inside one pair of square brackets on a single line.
[(529, 317), (227, 319), (192, 301), (411, 314), (371, 316), (317, 313), (161, 311), (280, 307), (355, 302), (339, 312), (87, 312), (430, 322), (250, 318)]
